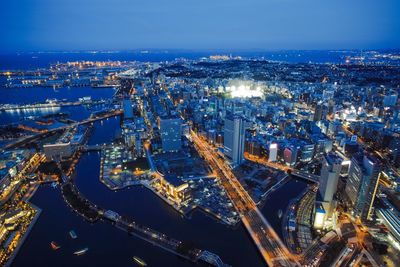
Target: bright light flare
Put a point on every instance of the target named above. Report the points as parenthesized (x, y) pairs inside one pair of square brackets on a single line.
[(244, 91)]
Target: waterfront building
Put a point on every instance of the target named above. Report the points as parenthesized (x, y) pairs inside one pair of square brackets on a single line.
[(175, 189), (171, 134), (234, 139), (362, 184), (58, 151)]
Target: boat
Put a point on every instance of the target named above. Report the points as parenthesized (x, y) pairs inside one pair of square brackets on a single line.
[(72, 234), (139, 261), (54, 245), (81, 251), (280, 214)]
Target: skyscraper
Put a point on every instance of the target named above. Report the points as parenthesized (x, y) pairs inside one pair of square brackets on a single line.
[(331, 167), (319, 112), (170, 130), (234, 137), (362, 184)]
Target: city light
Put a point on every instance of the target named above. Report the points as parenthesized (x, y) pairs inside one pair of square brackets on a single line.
[(244, 89)]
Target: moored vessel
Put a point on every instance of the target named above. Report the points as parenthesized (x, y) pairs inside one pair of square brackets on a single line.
[(81, 251), (139, 261)]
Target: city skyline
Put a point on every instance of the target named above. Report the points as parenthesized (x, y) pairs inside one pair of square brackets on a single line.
[(262, 133)]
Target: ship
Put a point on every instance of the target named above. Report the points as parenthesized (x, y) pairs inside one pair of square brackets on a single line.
[(139, 261), (72, 234), (81, 251), (280, 214), (54, 245)]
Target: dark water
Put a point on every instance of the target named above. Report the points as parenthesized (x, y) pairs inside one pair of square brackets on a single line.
[(40, 94), (280, 200), (233, 245)]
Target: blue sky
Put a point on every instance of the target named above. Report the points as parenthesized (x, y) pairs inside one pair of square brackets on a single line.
[(29, 25)]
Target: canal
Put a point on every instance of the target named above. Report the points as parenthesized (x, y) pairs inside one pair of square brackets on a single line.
[(109, 246)]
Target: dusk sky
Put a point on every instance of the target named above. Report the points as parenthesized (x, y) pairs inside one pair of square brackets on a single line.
[(29, 25)]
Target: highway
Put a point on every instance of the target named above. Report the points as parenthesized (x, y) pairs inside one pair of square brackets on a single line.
[(265, 238)]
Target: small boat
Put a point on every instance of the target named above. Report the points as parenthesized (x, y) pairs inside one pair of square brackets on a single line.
[(72, 234), (139, 261), (54, 245), (280, 214), (81, 251)]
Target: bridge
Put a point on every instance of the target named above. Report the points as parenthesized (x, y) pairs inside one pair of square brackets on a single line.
[(272, 249), (306, 176), (161, 240)]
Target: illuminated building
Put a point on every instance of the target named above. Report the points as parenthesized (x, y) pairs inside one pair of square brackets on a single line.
[(362, 184), (170, 130), (244, 89), (234, 139), (273, 152), (331, 168), (307, 152), (319, 216), (175, 189)]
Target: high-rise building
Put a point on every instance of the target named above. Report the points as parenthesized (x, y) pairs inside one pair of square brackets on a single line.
[(290, 155), (330, 171), (319, 112), (390, 100), (362, 184), (307, 152), (128, 109), (234, 139), (273, 152), (171, 134)]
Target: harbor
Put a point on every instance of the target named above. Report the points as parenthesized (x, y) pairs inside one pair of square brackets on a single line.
[(50, 104)]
